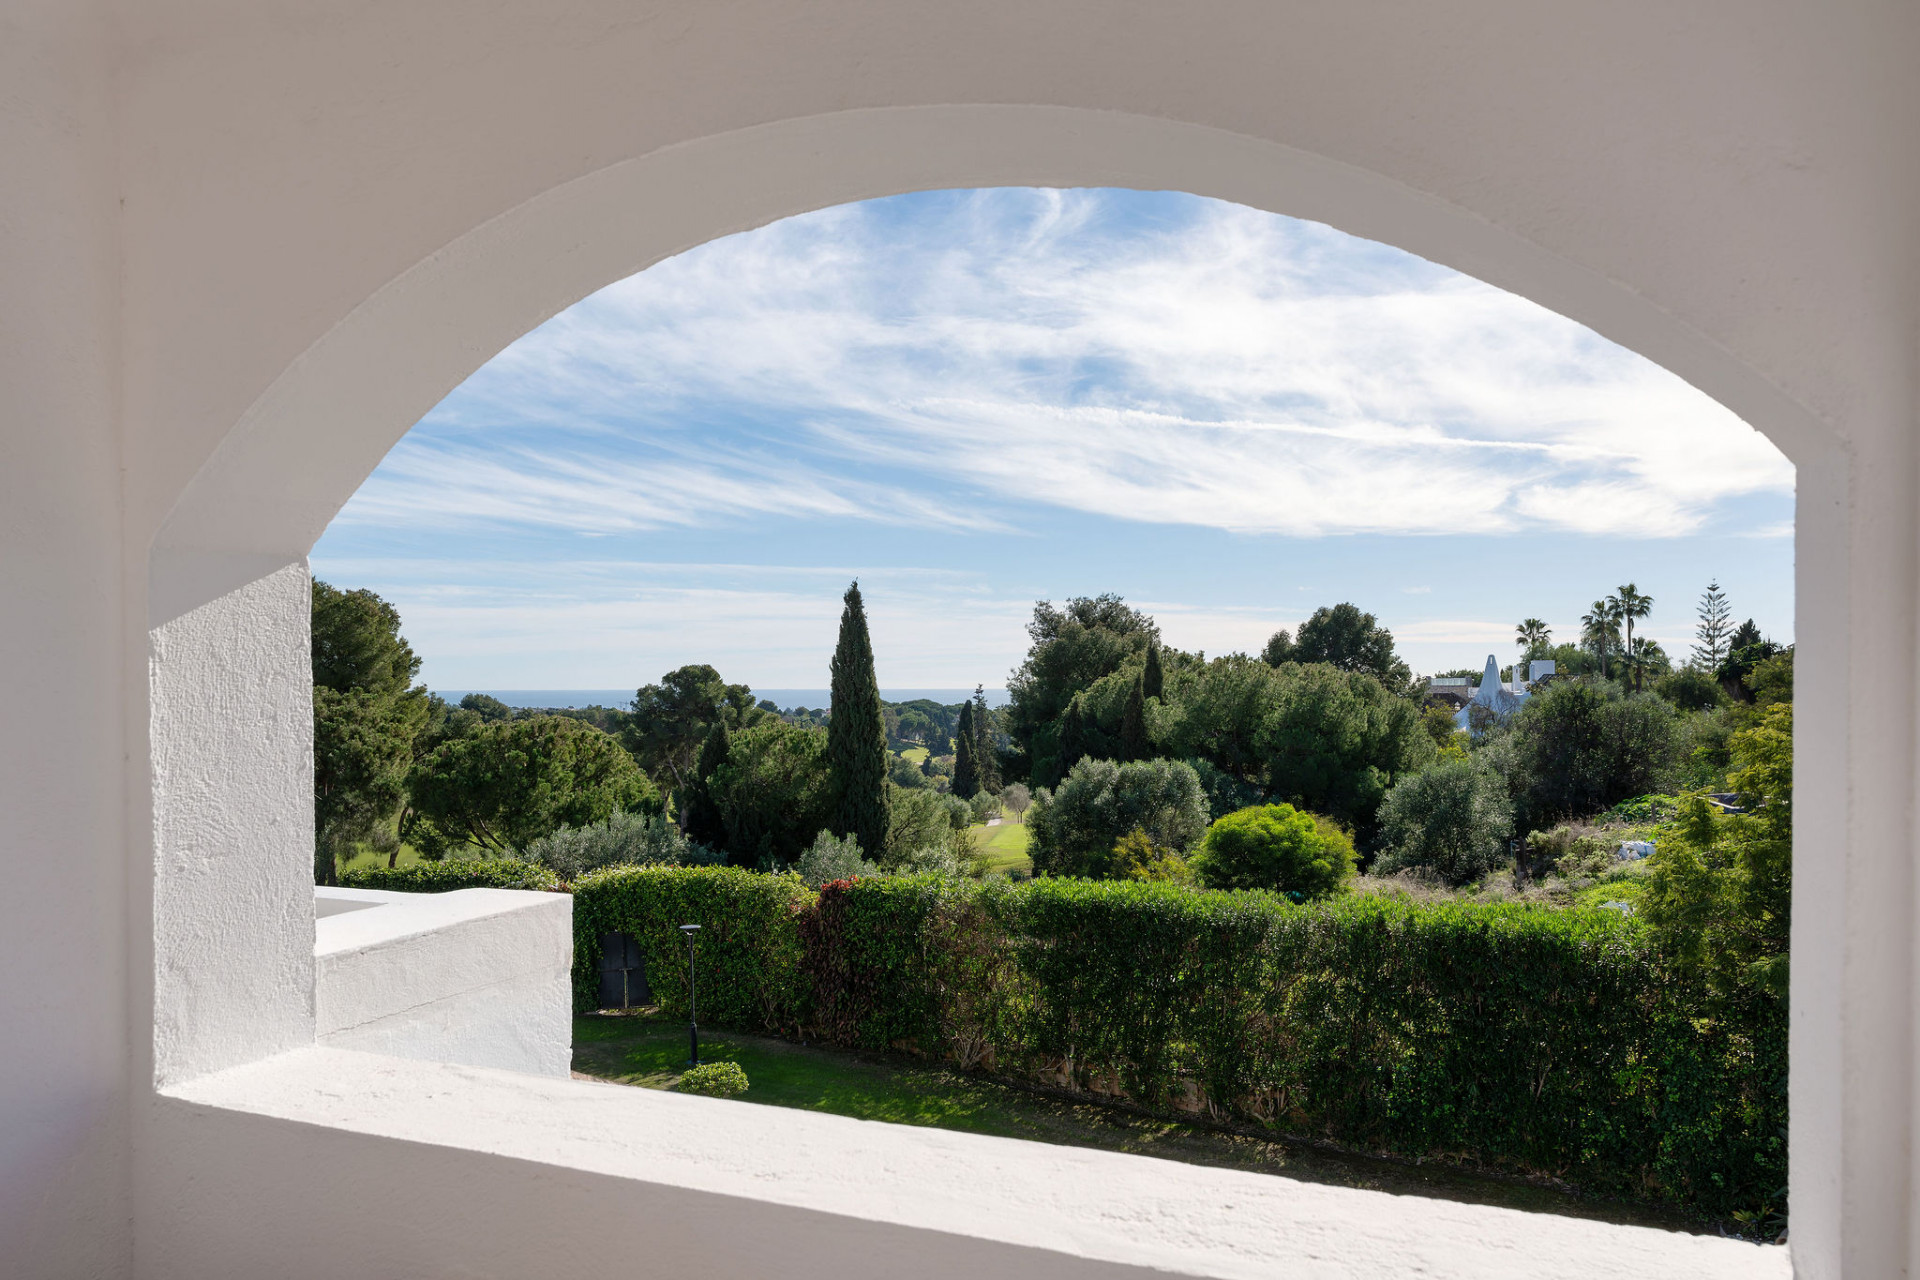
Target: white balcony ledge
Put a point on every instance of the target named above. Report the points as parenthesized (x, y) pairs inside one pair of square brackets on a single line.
[(740, 1189), (477, 976)]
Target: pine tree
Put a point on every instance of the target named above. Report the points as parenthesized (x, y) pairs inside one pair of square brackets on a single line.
[(857, 735), (1133, 723), (1155, 680), (986, 767), (1716, 627), (966, 767), (699, 816)]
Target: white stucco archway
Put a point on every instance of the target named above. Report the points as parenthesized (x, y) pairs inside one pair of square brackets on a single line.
[(224, 566), (243, 247)]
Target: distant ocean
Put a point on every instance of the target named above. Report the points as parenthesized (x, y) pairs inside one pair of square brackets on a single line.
[(785, 699)]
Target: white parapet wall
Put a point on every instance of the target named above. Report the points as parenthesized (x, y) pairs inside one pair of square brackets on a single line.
[(478, 977)]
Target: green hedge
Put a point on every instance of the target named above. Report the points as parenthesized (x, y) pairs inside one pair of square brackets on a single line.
[(454, 873), (1517, 1038), (749, 944)]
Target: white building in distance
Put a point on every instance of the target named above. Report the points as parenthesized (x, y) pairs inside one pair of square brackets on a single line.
[(1502, 699)]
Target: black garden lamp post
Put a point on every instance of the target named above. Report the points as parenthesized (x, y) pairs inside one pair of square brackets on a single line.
[(693, 1019)]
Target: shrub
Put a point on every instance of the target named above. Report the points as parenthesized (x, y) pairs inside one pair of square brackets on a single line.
[(1076, 828), (1277, 847), (624, 839), (1690, 689), (1579, 748), (984, 805), (454, 873), (1136, 857), (713, 1080), (830, 857), (1453, 817), (1225, 793)]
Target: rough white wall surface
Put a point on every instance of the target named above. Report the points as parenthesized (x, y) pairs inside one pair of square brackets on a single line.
[(686, 1185), (232, 751), (480, 977)]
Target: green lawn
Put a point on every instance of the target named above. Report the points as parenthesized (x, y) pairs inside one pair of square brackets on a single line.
[(1004, 846), (916, 754), (642, 1050), (368, 858)]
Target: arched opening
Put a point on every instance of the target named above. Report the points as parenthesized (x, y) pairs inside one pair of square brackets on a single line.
[(222, 598)]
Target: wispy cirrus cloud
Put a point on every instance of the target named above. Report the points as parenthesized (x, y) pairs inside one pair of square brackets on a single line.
[(1210, 365)]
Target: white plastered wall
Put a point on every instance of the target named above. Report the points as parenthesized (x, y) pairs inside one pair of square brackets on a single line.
[(246, 245)]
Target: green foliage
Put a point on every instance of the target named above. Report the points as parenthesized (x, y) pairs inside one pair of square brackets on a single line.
[(1225, 793), (905, 774), (748, 951), (856, 734), (624, 839), (1075, 829), (1154, 677), (1690, 689), (1580, 747), (514, 781), (966, 768), (1071, 648), (1720, 894), (1344, 638), (366, 716), (1335, 741), (671, 721), (357, 643), (1133, 723), (1453, 817), (487, 707), (1771, 679), (830, 858), (1515, 1038), (362, 749), (699, 814), (713, 1080), (1276, 847), (1137, 857), (772, 791), (455, 873), (920, 820)]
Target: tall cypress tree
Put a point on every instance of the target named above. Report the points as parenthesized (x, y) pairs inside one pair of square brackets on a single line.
[(1073, 735), (857, 735), (1155, 681), (986, 768), (699, 816), (966, 764), (1133, 723)]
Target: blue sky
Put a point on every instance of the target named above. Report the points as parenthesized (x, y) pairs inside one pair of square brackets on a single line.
[(972, 400)]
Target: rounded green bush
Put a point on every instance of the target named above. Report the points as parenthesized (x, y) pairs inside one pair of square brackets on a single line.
[(1275, 846), (713, 1080)]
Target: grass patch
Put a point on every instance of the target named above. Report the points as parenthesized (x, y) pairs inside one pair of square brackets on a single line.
[(643, 1050), (1004, 848), (365, 857), (916, 754)]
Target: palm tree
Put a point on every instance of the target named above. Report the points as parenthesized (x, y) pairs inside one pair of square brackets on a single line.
[(1600, 630), (1532, 635), (1630, 604), (1644, 658)]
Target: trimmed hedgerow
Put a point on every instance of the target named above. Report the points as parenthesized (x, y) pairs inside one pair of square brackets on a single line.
[(454, 873), (748, 947), (1511, 1037)]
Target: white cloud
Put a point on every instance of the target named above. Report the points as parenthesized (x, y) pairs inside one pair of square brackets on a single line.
[(1232, 370)]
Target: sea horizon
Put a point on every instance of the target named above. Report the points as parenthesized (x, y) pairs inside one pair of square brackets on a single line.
[(785, 699)]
